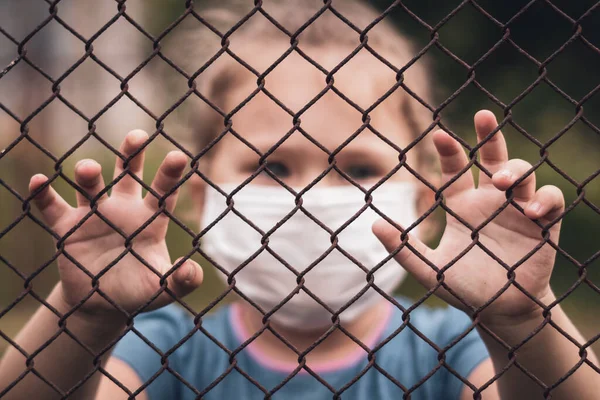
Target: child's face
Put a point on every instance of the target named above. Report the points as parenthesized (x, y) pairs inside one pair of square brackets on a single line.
[(366, 159), (330, 122)]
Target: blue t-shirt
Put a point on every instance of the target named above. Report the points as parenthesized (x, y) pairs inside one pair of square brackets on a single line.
[(187, 361)]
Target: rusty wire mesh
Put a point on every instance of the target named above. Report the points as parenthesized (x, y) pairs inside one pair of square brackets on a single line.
[(24, 57)]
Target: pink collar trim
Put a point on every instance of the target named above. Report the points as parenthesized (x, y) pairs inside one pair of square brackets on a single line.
[(287, 367)]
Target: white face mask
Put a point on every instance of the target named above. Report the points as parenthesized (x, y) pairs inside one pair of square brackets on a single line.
[(335, 280)]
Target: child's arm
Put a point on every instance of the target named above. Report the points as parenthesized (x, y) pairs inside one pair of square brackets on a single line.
[(64, 362), (511, 238), (549, 356), (95, 245)]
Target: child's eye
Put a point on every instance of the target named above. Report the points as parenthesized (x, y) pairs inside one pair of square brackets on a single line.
[(279, 169), (361, 172)]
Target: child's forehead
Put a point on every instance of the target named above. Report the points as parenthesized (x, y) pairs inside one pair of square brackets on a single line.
[(295, 80), (296, 83)]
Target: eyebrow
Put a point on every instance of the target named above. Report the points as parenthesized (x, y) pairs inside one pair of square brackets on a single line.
[(361, 146)]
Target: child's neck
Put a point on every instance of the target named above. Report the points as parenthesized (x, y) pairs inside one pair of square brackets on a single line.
[(337, 346)]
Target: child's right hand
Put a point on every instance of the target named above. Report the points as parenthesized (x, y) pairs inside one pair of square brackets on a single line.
[(95, 245)]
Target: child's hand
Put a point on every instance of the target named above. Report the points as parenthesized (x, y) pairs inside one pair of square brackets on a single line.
[(95, 245), (476, 277)]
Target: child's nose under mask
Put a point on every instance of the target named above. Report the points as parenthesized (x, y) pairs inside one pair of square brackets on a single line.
[(333, 277)]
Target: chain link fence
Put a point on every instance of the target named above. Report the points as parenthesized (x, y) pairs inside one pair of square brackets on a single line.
[(157, 43)]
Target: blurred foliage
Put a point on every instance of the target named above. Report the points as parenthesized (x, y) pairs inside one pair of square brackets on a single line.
[(506, 73)]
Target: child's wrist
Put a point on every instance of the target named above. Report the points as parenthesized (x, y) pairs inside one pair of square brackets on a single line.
[(99, 327), (515, 328)]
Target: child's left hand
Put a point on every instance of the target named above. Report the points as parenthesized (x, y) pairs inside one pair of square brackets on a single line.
[(510, 236)]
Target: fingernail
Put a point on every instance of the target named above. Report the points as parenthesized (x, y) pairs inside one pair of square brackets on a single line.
[(81, 163), (535, 207), (505, 173), (137, 136)]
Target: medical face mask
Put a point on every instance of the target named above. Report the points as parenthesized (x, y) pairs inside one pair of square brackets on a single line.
[(301, 243)]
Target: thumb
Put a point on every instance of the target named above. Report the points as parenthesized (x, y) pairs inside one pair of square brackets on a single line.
[(390, 237), (186, 278)]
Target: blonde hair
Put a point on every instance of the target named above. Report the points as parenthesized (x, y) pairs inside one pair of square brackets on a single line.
[(196, 44)]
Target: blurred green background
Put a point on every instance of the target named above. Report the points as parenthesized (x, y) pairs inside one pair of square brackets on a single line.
[(506, 73)]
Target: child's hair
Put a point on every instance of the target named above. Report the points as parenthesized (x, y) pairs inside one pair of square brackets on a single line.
[(196, 44)]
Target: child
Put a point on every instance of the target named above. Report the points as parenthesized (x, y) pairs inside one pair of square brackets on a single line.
[(315, 318)]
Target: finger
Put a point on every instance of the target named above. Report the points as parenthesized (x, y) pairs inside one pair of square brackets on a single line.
[(493, 154), (389, 236), (168, 176), (52, 206), (88, 175), (452, 160), (512, 171), (128, 185), (547, 203), (186, 278)]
